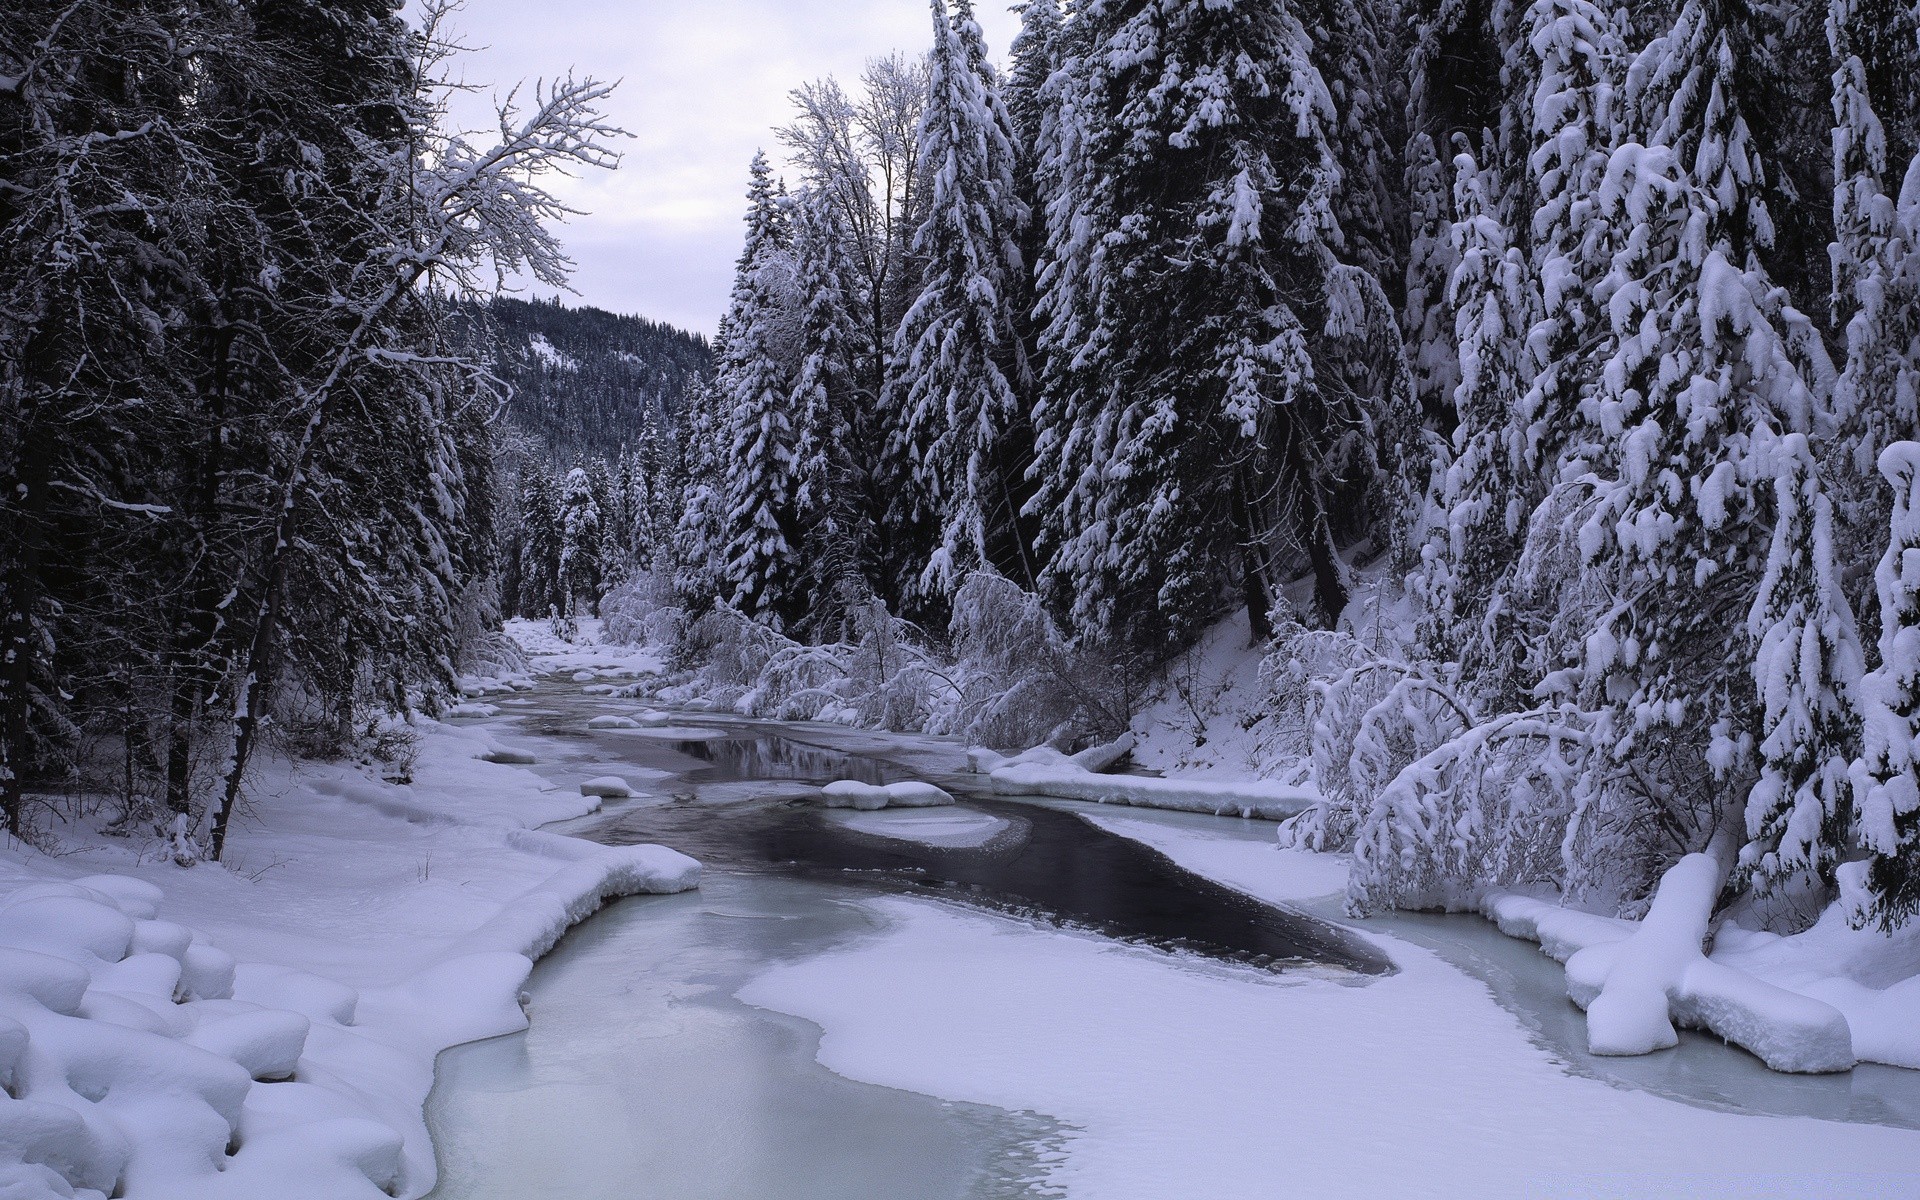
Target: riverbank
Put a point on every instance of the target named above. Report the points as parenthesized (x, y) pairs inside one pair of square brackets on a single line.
[(269, 1027)]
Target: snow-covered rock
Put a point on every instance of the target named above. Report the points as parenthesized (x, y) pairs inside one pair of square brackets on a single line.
[(509, 756), (607, 787), (612, 721), (848, 793)]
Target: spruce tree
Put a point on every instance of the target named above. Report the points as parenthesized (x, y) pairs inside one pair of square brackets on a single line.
[(759, 560), (1886, 886), (1197, 380), (961, 363), (1483, 498)]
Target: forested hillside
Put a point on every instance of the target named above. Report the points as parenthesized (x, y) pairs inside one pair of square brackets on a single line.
[(586, 382), (1604, 324)]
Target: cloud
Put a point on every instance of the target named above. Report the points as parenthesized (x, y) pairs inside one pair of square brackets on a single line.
[(702, 87)]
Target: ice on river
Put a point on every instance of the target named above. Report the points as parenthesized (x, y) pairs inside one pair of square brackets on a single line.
[(1182, 1078), (948, 828)]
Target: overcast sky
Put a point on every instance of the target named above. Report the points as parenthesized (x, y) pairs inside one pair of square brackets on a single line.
[(703, 85)]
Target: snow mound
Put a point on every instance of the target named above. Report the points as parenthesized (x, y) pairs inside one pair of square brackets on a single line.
[(848, 793), (607, 787), (1071, 781), (131, 1068), (474, 710), (612, 721), (136, 1059), (1639, 980), (508, 756)]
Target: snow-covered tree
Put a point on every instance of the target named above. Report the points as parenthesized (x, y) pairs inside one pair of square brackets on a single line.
[(698, 532), (760, 467), (835, 480), (582, 536), (1885, 887), (1191, 380), (1876, 250), (961, 366), (1573, 122), (1426, 321), (1693, 406), (1806, 670), (1483, 499)]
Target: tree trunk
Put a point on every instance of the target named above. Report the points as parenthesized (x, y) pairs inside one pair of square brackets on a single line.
[(1253, 583), (1316, 535), (22, 592)]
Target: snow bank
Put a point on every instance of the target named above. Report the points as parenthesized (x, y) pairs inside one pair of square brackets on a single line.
[(533, 922), (137, 1059), (587, 658), (126, 1077), (848, 793), (275, 1034), (1242, 798)]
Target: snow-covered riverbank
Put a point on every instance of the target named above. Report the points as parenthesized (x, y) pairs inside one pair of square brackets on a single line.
[(269, 1027)]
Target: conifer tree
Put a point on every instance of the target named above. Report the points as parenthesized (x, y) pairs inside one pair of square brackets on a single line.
[(1482, 498), (1574, 112), (761, 470), (961, 363), (833, 498), (1806, 670), (1199, 387), (540, 589), (1886, 887)]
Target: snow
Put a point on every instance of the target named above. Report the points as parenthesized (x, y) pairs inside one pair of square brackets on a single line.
[(1245, 798), (607, 787), (848, 793), (1413, 1085), (586, 658), (948, 828), (1257, 868), (269, 1028)]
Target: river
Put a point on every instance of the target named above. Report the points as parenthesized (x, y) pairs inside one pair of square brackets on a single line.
[(642, 1076)]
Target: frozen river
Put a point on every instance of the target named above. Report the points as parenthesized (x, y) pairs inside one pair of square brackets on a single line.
[(645, 1074)]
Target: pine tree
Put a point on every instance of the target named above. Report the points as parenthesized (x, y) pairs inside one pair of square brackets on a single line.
[(1876, 251), (1694, 405), (1191, 288), (1034, 55), (1574, 125), (1483, 498), (698, 531), (962, 366), (1426, 321), (581, 543), (1886, 887), (1807, 670), (1686, 93), (540, 588), (833, 501), (761, 471), (1358, 46)]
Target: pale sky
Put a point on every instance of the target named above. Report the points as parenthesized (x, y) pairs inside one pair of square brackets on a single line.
[(703, 86)]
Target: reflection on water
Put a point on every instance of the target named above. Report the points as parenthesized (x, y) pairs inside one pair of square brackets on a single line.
[(782, 758), (1050, 864)]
